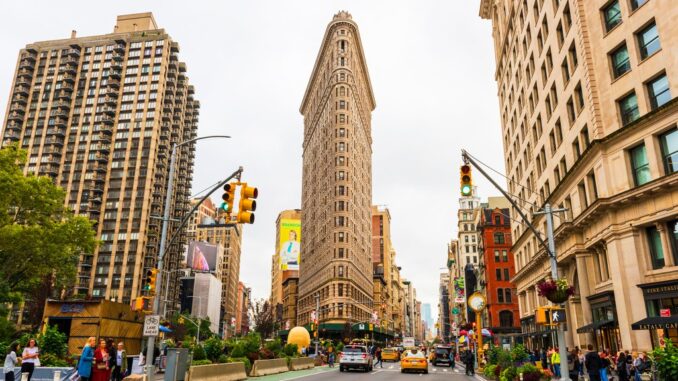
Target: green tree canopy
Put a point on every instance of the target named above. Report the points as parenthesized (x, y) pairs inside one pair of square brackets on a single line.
[(39, 237)]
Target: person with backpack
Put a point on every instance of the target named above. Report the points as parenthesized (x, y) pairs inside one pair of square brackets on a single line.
[(593, 364)]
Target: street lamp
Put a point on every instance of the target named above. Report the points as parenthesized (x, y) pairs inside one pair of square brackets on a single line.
[(163, 236)]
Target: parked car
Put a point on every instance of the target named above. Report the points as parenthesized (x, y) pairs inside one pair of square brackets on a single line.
[(355, 357)]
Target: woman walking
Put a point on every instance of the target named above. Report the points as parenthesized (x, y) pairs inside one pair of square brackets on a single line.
[(86, 357), (120, 363), (622, 372), (10, 362), (101, 370), (30, 359)]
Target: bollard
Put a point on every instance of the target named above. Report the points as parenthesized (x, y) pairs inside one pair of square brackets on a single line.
[(24, 376), (57, 375)]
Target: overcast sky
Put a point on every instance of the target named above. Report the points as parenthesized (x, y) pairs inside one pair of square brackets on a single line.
[(432, 69)]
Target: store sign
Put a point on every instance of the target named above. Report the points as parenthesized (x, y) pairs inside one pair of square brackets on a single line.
[(661, 289), (665, 312), (72, 308)]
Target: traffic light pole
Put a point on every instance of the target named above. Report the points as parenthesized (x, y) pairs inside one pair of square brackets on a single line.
[(550, 250), (163, 236)]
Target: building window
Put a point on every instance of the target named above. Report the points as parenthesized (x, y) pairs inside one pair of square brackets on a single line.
[(497, 273), (504, 255), (640, 165), (620, 61), (497, 220), (500, 295), (496, 256), (507, 298), (499, 238), (506, 274), (669, 142), (673, 238), (635, 4), (628, 107), (655, 245), (659, 92), (506, 319), (612, 15), (648, 41)]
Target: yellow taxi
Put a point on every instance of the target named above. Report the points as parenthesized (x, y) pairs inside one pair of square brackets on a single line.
[(389, 354), (414, 360)]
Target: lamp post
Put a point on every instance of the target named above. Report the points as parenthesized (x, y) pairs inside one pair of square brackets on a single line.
[(163, 237)]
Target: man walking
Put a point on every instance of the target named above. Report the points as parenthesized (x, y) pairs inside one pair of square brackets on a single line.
[(593, 364), (377, 354), (470, 362), (555, 361)]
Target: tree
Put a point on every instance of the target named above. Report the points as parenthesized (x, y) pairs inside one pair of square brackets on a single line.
[(40, 239), (263, 317)]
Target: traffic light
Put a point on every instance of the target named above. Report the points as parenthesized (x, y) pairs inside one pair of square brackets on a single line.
[(151, 276), (466, 180), (247, 204), (228, 197), (142, 303)]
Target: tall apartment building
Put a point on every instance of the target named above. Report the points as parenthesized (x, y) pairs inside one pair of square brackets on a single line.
[(337, 180), (467, 237), (589, 124), (444, 318), (383, 258), (99, 115), (284, 253), (242, 320), (229, 237), (205, 214)]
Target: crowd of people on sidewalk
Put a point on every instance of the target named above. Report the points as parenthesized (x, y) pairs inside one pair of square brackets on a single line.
[(595, 365), (105, 362)]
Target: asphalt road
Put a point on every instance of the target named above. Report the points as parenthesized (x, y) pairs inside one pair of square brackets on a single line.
[(390, 372)]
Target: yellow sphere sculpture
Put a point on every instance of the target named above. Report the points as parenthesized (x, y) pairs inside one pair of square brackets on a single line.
[(299, 336)]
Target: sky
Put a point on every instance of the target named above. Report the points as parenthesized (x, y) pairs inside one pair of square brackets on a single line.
[(432, 69)]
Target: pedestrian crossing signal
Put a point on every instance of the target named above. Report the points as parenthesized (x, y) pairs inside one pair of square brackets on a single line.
[(550, 315), (466, 180)]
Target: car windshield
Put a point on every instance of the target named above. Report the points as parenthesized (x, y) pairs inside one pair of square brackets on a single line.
[(442, 351), (416, 354), (354, 349), (388, 350)]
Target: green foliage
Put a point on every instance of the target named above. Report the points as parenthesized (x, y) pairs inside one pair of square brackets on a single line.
[(40, 239), (214, 348), (248, 363), (519, 354), (508, 374), (201, 362), (530, 372), (275, 346), (340, 346), (222, 359), (493, 355), (49, 359), (53, 342), (666, 361), (489, 371), (199, 353), (291, 350), (504, 359)]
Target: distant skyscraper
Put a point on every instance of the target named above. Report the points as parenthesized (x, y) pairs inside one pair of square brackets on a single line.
[(427, 315), (336, 262), (99, 115)]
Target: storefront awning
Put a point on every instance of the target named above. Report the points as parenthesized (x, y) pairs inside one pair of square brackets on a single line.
[(594, 326), (656, 322)]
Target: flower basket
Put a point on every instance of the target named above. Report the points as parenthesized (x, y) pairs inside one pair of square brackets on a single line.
[(556, 292)]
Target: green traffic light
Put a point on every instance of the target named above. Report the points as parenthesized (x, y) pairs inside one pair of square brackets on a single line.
[(224, 206), (466, 190)]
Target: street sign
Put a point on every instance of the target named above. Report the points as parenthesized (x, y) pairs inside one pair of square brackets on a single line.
[(152, 325), (455, 311), (408, 342), (665, 312)]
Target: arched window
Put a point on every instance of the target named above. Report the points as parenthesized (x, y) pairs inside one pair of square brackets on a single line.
[(505, 318)]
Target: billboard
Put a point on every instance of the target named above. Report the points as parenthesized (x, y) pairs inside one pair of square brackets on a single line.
[(290, 244), (202, 256)]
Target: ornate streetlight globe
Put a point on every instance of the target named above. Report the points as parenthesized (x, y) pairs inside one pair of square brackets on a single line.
[(299, 336)]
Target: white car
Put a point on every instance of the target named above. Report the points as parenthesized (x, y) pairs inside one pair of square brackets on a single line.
[(355, 357)]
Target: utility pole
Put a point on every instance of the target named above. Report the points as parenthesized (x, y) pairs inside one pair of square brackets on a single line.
[(317, 317), (550, 250)]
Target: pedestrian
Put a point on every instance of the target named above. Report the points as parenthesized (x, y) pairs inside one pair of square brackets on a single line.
[(573, 364), (582, 360), (555, 362), (640, 364), (120, 369), (622, 371), (469, 362), (605, 363), (101, 370), (110, 348), (593, 364), (377, 353), (330, 359), (85, 361), (544, 362), (30, 358), (10, 362)]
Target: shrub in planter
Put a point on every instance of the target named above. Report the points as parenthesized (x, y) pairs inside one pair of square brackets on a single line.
[(222, 359), (248, 364), (201, 362), (213, 348), (199, 353), (666, 361), (489, 371), (509, 374), (290, 350), (519, 354), (266, 354), (530, 372)]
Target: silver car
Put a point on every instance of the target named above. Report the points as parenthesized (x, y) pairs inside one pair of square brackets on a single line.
[(355, 357)]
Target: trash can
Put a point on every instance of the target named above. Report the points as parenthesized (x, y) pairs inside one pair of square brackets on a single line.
[(177, 361)]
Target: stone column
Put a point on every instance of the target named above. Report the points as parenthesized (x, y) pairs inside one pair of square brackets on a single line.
[(584, 291)]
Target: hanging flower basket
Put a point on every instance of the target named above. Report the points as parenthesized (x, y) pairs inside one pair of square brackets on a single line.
[(555, 291)]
